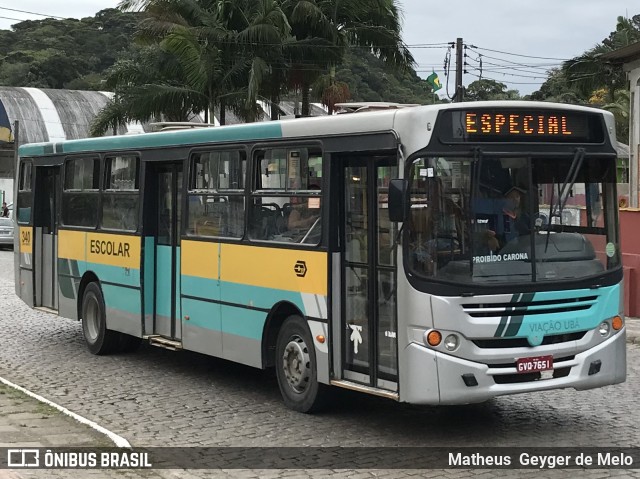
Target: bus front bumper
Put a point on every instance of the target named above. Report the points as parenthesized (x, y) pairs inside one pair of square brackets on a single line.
[(460, 381)]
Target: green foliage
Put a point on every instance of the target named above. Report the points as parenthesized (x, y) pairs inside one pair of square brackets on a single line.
[(590, 79), (172, 58), (53, 53), (369, 79), (484, 90)]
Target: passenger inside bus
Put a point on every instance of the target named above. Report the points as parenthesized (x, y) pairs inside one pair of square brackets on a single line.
[(500, 220), (516, 220)]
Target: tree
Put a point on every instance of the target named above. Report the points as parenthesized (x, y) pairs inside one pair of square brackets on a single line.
[(485, 89), (589, 71), (56, 53), (226, 52), (325, 28), (557, 88)]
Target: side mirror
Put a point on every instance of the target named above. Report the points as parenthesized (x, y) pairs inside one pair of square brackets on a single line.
[(398, 199)]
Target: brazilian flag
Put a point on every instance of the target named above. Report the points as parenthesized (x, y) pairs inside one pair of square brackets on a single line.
[(434, 81)]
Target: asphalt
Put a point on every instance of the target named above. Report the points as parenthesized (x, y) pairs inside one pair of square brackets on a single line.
[(27, 422)]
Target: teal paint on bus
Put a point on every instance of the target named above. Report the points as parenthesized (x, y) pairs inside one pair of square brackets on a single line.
[(205, 288), (536, 327), (163, 282), (252, 131), (149, 273), (121, 299), (241, 294), (104, 272), (259, 297), (243, 322), (115, 274), (227, 319), (203, 314)]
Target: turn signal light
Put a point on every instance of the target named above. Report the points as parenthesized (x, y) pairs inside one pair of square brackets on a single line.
[(434, 338), (320, 338), (617, 323)]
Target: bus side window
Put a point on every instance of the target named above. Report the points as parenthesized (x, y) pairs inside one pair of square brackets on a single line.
[(216, 203), (286, 199)]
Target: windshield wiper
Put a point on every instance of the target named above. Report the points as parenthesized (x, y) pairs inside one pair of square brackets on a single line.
[(475, 194), (564, 190), (572, 175)]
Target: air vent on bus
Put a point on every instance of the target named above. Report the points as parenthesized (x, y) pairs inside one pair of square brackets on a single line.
[(498, 343), (527, 308)]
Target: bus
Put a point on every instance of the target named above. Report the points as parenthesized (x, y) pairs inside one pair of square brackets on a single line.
[(437, 254)]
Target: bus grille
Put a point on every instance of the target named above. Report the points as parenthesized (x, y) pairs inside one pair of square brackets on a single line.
[(503, 343), (529, 308), (528, 377)]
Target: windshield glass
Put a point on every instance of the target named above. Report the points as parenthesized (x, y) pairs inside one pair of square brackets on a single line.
[(512, 219)]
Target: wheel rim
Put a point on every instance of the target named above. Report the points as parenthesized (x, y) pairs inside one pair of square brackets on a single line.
[(296, 364), (91, 319)]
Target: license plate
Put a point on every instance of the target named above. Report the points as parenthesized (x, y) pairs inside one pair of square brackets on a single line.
[(532, 365)]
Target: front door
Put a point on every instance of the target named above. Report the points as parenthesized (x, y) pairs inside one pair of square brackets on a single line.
[(369, 313), (165, 207), (45, 228)]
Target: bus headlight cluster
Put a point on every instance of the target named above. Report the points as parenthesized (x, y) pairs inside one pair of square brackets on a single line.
[(433, 338), (616, 323)]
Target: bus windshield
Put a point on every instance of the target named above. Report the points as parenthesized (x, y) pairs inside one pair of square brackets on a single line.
[(512, 219)]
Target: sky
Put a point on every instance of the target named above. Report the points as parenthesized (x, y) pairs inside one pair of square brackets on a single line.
[(503, 34)]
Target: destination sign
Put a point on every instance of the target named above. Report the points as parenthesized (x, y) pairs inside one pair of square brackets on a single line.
[(521, 125)]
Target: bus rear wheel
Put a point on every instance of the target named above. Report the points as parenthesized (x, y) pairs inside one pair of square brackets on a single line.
[(99, 339), (296, 367)]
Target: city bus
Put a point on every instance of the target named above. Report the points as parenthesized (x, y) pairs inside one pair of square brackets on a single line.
[(437, 254)]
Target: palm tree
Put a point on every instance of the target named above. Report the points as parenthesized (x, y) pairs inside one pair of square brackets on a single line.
[(620, 109), (588, 72), (146, 87), (221, 53), (325, 28)]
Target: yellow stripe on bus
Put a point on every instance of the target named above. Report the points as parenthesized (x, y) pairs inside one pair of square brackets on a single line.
[(71, 244), (26, 239), (114, 250), (278, 268), (199, 258), (102, 248)]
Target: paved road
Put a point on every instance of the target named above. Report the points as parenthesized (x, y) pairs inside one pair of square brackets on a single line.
[(161, 398)]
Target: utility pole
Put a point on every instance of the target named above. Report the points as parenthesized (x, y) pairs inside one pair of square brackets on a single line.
[(458, 96)]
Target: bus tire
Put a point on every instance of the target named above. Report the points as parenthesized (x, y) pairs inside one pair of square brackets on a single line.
[(99, 339), (296, 367)]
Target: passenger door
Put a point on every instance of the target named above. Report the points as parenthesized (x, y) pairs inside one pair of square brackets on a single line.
[(163, 212), (368, 296), (45, 241)]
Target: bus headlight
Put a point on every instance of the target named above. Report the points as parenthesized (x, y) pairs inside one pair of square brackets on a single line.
[(604, 328), (451, 342)]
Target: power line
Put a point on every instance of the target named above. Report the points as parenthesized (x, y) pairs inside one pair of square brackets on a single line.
[(514, 82), (9, 18), (30, 13), (520, 55), (509, 74)]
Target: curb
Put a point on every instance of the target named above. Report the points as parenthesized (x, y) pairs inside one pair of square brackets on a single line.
[(119, 441)]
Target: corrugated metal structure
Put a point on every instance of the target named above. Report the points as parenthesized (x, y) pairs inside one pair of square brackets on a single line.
[(55, 115)]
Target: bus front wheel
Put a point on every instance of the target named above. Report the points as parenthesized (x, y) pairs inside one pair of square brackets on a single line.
[(296, 367), (99, 339)]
